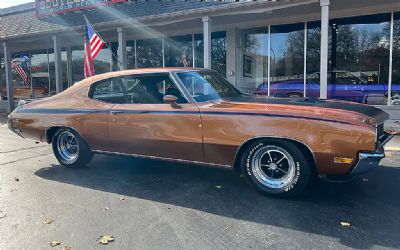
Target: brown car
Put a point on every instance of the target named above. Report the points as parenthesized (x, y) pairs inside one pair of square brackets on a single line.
[(195, 115)]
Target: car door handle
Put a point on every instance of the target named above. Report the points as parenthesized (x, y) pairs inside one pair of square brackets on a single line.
[(116, 112)]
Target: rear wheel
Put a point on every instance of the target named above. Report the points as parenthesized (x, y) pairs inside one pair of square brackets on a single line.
[(70, 149), (276, 167)]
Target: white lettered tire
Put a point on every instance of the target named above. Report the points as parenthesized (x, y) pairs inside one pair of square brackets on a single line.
[(276, 167)]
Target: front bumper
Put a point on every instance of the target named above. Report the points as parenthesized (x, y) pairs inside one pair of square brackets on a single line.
[(370, 160)]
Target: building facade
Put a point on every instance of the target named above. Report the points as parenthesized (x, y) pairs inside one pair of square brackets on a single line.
[(338, 49)]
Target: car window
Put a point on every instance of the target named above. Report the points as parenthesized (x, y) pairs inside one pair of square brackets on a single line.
[(136, 89), (207, 85), (110, 90)]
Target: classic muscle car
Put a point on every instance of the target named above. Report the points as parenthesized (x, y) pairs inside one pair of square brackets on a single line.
[(195, 115)]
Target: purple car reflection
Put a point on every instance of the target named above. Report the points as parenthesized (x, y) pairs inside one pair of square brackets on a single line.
[(342, 85)]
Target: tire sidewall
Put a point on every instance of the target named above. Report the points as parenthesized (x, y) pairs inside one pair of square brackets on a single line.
[(84, 153), (302, 169)]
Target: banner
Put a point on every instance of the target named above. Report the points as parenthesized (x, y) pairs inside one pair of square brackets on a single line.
[(51, 7)]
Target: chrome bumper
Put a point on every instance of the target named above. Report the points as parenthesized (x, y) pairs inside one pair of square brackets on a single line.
[(370, 160)]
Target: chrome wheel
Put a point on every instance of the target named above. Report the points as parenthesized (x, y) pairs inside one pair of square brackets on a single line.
[(273, 167), (67, 147)]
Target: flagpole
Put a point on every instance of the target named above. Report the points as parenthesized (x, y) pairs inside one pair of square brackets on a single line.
[(106, 44)]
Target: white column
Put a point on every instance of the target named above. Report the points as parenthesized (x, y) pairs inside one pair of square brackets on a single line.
[(390, 61), (69, 66), (57, 63), (231, 40), (121, 48), (8, 72), (324, 49), (207, 41)]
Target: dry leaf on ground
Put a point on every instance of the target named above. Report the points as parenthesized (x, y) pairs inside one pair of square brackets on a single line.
[(55, 243), (345, 224), (49, 221), (104, 240), (121, 198), (66, 247)]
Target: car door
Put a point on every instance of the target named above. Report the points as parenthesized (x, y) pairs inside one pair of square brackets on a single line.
[(144, 125)]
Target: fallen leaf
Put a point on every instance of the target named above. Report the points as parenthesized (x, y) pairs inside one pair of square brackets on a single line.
[(2, 215), (49, 221), (345, 224), (104, 240), (16, 179), (106, 208), (226, 228), (66, 247), (55, 243), (121, 198), (218, 186)]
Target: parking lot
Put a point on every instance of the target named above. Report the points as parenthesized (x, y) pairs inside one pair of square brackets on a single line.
[(156, 205)]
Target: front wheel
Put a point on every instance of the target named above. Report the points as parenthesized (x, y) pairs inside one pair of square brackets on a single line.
[(276, 167), (70, 149)]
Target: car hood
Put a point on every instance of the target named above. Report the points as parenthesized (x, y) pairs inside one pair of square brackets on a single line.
[(334, 109)]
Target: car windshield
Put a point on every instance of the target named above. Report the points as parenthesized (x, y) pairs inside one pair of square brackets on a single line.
[(207, 85)]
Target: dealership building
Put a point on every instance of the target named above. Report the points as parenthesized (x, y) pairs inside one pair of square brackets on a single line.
[(311, 47)]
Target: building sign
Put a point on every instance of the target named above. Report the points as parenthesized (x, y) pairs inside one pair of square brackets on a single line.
[(51, 7)]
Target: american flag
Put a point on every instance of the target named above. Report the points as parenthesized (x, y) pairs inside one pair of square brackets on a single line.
[(21, 72), (93, 45)]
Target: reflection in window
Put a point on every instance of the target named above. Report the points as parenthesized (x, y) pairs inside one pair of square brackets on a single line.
[(396, 60), (149, 53), (22, 88), (287, 59), (130, 55), (40, 73), (178, 51), (255, 60), (360, 46), (101, 63), (218, 52)]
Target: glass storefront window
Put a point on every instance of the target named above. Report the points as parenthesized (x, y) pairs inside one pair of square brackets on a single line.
[(149, 53), (254, 60), (178, 51), (218, 52), (101, 63), (22, 88), (396, 59), (359, 59), (40, 73), (130, 55), (287, 60), (313, 59)]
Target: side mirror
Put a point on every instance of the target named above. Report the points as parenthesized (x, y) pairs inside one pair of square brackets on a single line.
[(171, 99)]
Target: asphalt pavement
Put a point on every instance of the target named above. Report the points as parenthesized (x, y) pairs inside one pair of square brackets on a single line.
[(147, 204)]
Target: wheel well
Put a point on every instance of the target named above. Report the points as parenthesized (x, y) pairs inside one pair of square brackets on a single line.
[(307, 151), (50, 132)]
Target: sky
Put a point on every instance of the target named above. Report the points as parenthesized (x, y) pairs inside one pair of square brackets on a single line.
[(9, 3)]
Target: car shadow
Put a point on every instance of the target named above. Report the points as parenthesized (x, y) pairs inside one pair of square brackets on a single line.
[(370, 203)]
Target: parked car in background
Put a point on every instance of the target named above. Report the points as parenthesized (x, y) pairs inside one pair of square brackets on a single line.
[(342, 85), (195, 115)]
